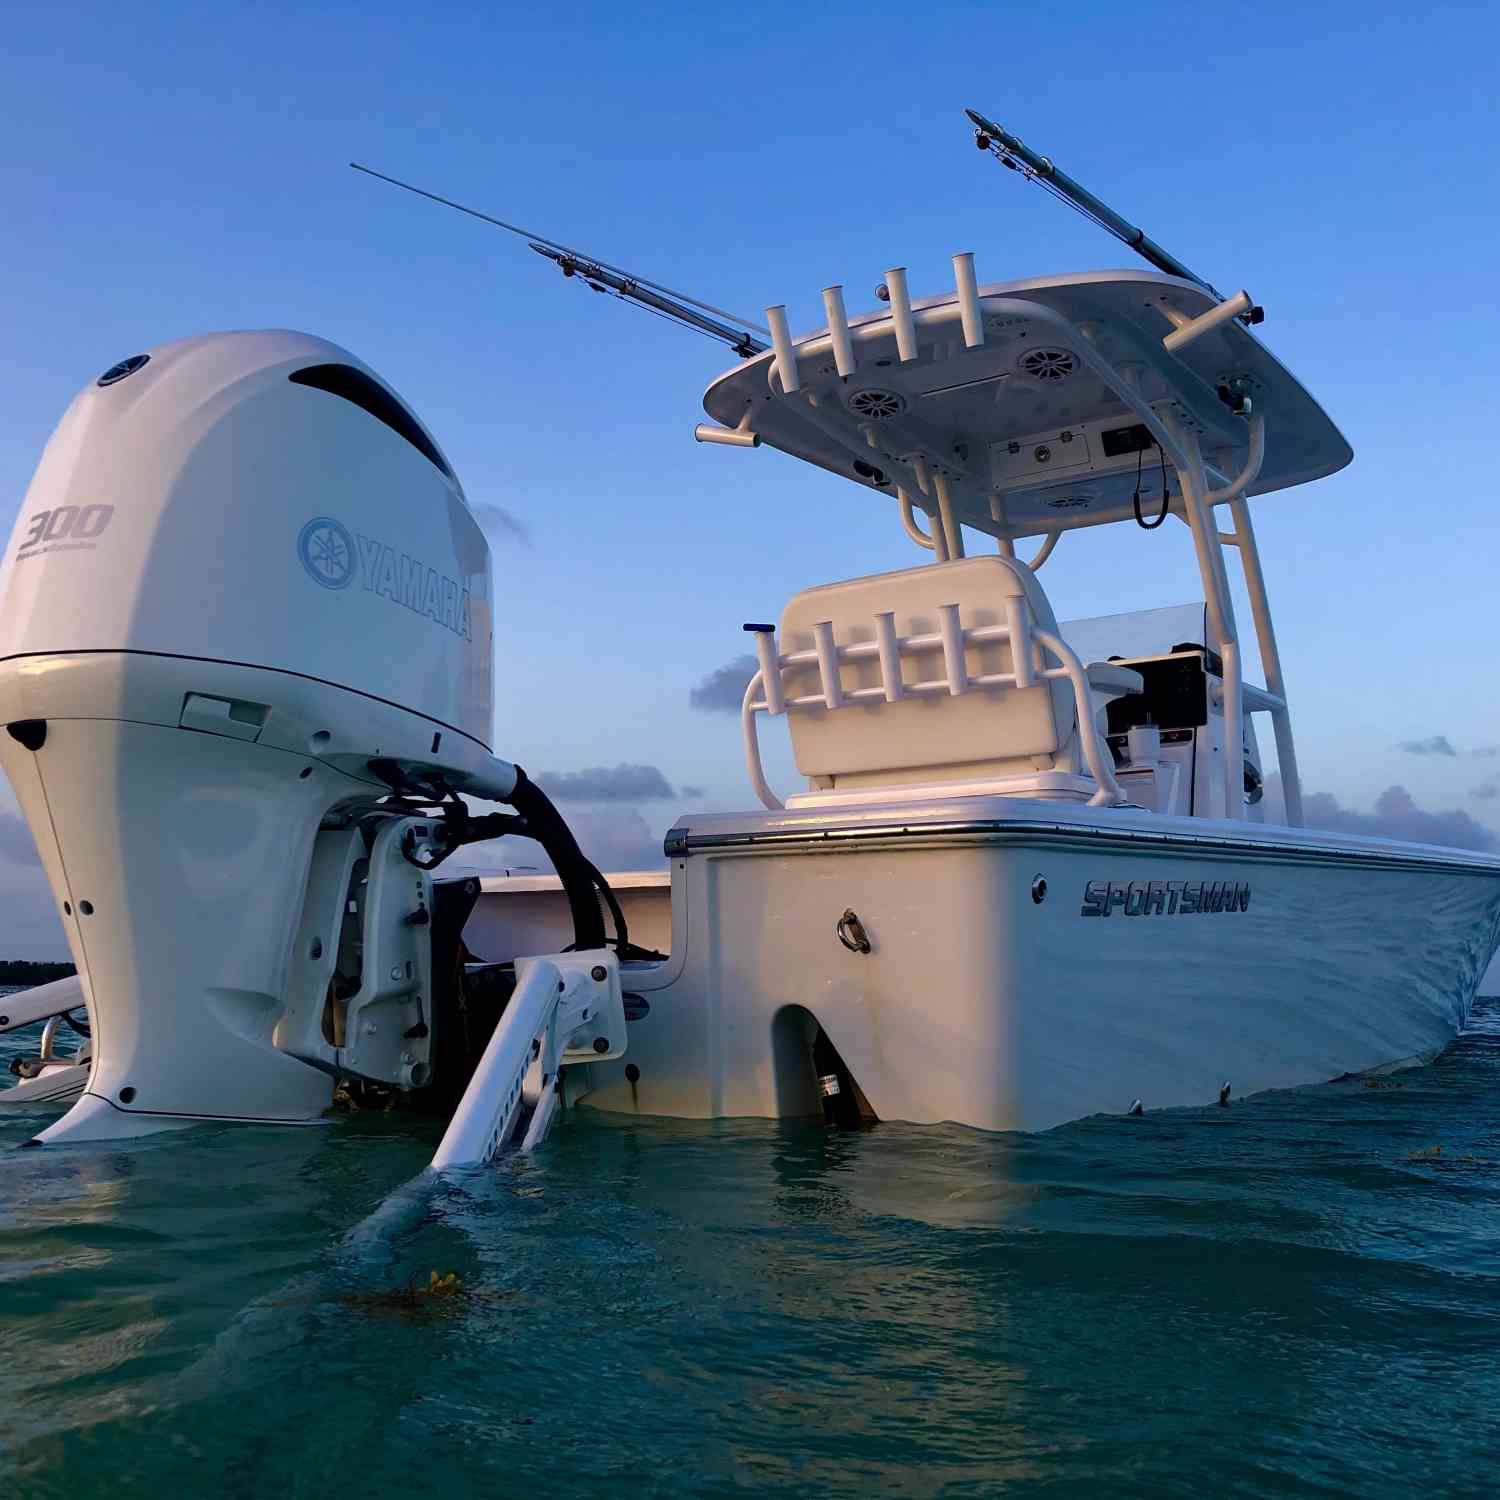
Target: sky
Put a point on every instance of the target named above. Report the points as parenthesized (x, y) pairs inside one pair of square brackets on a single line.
[(166, 170)]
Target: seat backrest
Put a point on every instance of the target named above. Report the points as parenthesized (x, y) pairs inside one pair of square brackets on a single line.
[(983, 733)]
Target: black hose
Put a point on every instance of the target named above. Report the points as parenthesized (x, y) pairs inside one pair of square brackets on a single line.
[(580, 880)]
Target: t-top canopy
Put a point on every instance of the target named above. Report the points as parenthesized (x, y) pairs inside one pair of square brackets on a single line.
[(1037, 403)]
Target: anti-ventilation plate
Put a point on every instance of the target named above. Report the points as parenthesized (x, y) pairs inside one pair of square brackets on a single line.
[(876, 406), (1048, 365)]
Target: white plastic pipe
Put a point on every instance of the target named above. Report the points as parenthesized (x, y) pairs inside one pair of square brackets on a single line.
[(734, 437), (828, 663), (909, 522), (1095, 749), (1183, 335), (1044, 551), (781, 342), (890, 655), (953, 649), (968, 299), (768, 798), (1270, 656), (1253, 461), (1003, 544), (951, 528), (906, 332), (1017, 616), (838, 330), (770, 670)]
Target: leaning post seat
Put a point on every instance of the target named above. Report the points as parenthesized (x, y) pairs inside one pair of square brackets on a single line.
[(1027, 734)]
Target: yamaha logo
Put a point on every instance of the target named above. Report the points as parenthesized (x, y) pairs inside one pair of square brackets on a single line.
[(327, 553), (333, 558), (125, 367)]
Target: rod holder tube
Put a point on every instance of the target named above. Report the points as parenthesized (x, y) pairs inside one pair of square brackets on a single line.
[(828, 663), (901, 319), (838, 330), (968, 299), (733, 437), (953, 649), (1021, 650), (781, 342), (890, 655), (766, 655), (1183, 335)]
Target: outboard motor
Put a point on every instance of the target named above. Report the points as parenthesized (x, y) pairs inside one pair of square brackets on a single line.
[(245, 633)]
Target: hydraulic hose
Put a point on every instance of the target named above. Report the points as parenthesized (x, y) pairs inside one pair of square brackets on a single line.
[(579, 878)]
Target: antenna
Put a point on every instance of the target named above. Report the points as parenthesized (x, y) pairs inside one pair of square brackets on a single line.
[(1012, 152), (677, 307)]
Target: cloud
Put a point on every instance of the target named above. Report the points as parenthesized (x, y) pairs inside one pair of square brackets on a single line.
[(499, 521), (613, 838), (1487, 791), (1486, 752), (620, 783), (1395, 816), (693, 793), (1437, 744), (16, 843), (723, 691), (33, 925)]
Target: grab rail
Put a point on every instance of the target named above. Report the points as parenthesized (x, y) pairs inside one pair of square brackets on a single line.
[(765, 692)]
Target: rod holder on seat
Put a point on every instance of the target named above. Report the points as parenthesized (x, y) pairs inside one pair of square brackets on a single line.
[(953, 649), (769, 661), (828, 663)]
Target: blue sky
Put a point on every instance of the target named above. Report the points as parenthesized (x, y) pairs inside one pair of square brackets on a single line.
[(166, 170)]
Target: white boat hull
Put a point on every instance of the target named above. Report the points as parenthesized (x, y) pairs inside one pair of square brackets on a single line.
[(982, 1005)]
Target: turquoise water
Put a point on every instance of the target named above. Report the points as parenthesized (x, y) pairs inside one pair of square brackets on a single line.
[(1293, 1296)]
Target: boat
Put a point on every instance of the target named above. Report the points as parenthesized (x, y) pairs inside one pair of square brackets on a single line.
[(50, 1075), (247, 633)]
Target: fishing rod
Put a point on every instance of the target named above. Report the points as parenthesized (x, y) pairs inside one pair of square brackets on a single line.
[(1013, 152), (616, 281)]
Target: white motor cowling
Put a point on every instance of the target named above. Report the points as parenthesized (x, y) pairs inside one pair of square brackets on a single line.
[(243, 573)]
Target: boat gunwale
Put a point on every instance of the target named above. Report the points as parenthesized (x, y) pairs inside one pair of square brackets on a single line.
[(1356, 852)]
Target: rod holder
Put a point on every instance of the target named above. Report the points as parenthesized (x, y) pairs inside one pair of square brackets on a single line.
[(1184, 334), (828, 663), (901, 320), (769, 659), (711, 432), (968, 299), (838, 330), (781, 342), (1021, 664), (953, 649), (890, 656)]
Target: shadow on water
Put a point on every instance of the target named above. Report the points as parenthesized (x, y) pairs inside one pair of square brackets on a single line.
[(1294, 1295)]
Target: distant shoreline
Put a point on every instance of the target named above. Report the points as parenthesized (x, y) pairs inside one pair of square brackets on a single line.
[(28, 971)]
